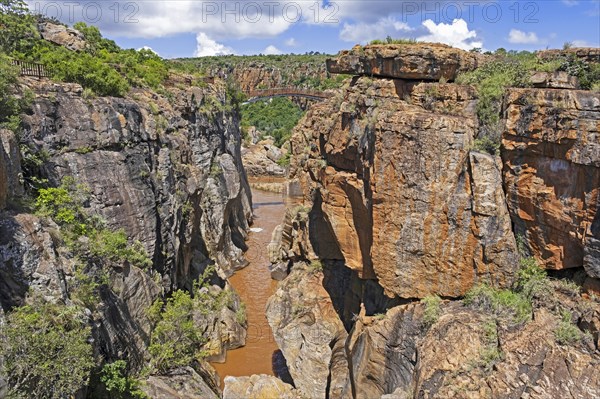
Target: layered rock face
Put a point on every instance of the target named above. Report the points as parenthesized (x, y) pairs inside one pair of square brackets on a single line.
[(168, 172), (398, 192), (422, 61), (552, 174), (253, 75), (398, 205), (170, 175)]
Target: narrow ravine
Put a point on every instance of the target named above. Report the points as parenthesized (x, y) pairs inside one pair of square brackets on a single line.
[(255, 286)]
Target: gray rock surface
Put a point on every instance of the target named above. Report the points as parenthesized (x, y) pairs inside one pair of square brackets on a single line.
[(181, 383), (10, 168), (62, 35), (258, 386), (310, 334)]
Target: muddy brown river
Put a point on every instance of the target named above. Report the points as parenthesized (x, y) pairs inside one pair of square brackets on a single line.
[(255, 286)]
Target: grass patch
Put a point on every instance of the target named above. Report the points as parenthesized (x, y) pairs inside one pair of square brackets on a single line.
[(502, 303)]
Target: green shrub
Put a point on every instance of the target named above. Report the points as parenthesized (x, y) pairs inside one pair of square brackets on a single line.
[(46, 350), (532, 280), (432, 309), (316, 265), (284, 161), (502, 303), (240, 315), (113, 245), (64, 205), (118, 383), (491, 353), (567, 333), (18, 26), (487, 144), (175, 341), (11, 105)]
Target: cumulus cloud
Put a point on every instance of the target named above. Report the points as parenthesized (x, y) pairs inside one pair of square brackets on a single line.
[(456, 34), (271, 50), (519, 37), (291, 42), (148, 48), (207, 46), (570, 3), (363, 32)]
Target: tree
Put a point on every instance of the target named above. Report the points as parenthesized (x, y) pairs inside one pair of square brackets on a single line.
[(17, 26), (46, 350), (175, 341)]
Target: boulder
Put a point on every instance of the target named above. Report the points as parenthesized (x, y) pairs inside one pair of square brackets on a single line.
[(310, 334), (415, 61), (62, 35), (258, 386), (279, 271), (554, 80), (182, 383)]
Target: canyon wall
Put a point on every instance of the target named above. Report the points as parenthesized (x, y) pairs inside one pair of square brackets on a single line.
[(400, 208), (164, 168)]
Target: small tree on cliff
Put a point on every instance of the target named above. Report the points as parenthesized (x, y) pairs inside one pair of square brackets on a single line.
[(46, 351)]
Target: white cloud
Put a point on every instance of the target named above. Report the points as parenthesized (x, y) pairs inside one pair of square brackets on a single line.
[(519, 37), (148, 48), (291, 42), (581, 43), (362, 32), (456, 34), (207, 46), (570, 3), (271, 50)]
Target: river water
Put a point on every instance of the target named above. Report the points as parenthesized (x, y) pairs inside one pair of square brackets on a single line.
[(254, 285)]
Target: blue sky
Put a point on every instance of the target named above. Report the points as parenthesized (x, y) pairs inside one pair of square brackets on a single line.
[(183, 28)]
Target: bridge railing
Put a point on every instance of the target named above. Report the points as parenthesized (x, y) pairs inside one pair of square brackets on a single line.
[(31, 69), (286, 91)]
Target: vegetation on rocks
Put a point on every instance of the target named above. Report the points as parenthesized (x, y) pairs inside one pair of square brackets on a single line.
[(102, 67), (46, 350), (175, 341), (513, 69), (118, 384), (276, 117), (64, 205)]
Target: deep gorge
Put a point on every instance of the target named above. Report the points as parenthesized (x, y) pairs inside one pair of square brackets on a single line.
[(399, 254)]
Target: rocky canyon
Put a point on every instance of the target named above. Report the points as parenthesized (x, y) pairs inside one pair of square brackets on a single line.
[(432, 229)]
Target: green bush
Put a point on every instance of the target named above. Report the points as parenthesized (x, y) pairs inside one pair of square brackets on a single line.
[(18, 26), (175, 340), (501, 303), (118, 383), (567, 333), (46, 350), (432, 309), (487, 144), (11, 105), (532, 280)]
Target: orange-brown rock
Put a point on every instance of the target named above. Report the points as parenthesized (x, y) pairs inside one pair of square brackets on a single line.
[(551, 160), (397, 192), (422, 61), (586, 54)]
